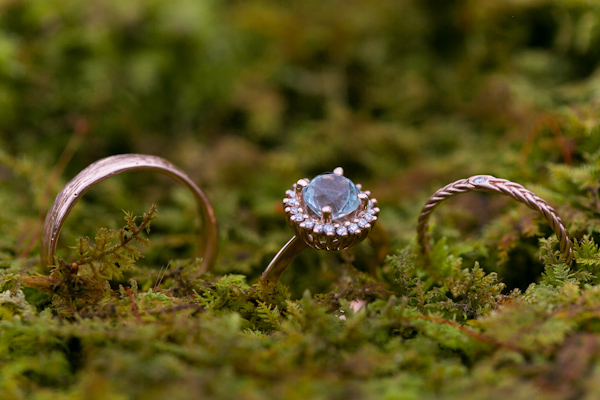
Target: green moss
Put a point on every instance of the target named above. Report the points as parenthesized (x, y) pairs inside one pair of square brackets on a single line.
[(248, 97)]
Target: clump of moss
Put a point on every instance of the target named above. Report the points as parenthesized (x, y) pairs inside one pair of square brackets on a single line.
[(82, 284), (442, 328)]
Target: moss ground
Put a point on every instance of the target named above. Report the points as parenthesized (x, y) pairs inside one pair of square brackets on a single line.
[(248, 97)]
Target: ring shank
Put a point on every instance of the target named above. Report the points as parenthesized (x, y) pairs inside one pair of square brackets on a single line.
[(283, 258), (295, 246), (115, 165), (487, 183)]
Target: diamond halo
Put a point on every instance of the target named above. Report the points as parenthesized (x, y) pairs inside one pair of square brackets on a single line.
[(342, 223)]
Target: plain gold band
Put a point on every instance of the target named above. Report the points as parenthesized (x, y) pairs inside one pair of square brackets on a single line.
[(115, 165)]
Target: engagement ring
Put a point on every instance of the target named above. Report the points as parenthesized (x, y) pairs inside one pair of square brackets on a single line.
[(328, 212)]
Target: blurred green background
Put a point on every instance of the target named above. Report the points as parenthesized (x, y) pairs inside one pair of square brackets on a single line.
[(248, 97)]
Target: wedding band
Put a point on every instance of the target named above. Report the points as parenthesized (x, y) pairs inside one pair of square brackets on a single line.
[(488, 183), (329, 213), (109, 167)]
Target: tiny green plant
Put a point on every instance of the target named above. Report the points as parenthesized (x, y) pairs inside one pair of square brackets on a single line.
[(77, 286)]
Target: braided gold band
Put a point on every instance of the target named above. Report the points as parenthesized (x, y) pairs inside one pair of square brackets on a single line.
[(111, 166), (488, 183)]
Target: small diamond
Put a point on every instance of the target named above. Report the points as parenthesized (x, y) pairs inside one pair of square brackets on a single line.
[(294, 210), (342, 231), (328, 228), (309, 223), (318, 227), (479, 180), (299, 217), (362, 223), (368, 217), (352, 228)]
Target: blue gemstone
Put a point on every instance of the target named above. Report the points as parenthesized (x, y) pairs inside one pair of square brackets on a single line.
[(332, 190)]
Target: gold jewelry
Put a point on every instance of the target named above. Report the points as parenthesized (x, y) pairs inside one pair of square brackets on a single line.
[(488, 183), (327, 213), (111, 166)]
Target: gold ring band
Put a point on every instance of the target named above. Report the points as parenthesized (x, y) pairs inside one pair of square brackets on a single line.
[(295, 246), (488, 183), (111, 166)]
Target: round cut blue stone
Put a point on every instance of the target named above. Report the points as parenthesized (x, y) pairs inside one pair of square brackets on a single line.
[(332, 190)]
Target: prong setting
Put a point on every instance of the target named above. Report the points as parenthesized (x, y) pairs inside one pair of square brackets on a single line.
[(326, 215), (364, 202), (299, 187)]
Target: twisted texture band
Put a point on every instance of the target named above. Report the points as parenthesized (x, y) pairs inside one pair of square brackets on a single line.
[(488, 183), (111, 166)]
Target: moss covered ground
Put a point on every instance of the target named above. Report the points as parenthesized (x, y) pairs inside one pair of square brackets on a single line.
[(248, 97)]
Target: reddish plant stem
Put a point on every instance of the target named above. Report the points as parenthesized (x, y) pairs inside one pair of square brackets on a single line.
[(468, 331), (135, 310)]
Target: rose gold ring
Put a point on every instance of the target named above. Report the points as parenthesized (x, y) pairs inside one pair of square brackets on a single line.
[(330, 213), (111, 166), (488, 183)]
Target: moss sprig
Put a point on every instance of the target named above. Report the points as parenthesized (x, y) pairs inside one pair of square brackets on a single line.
[(79, 286), (114, 252)]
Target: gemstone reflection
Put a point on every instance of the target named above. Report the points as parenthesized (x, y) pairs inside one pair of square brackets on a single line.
[(332, 190)]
